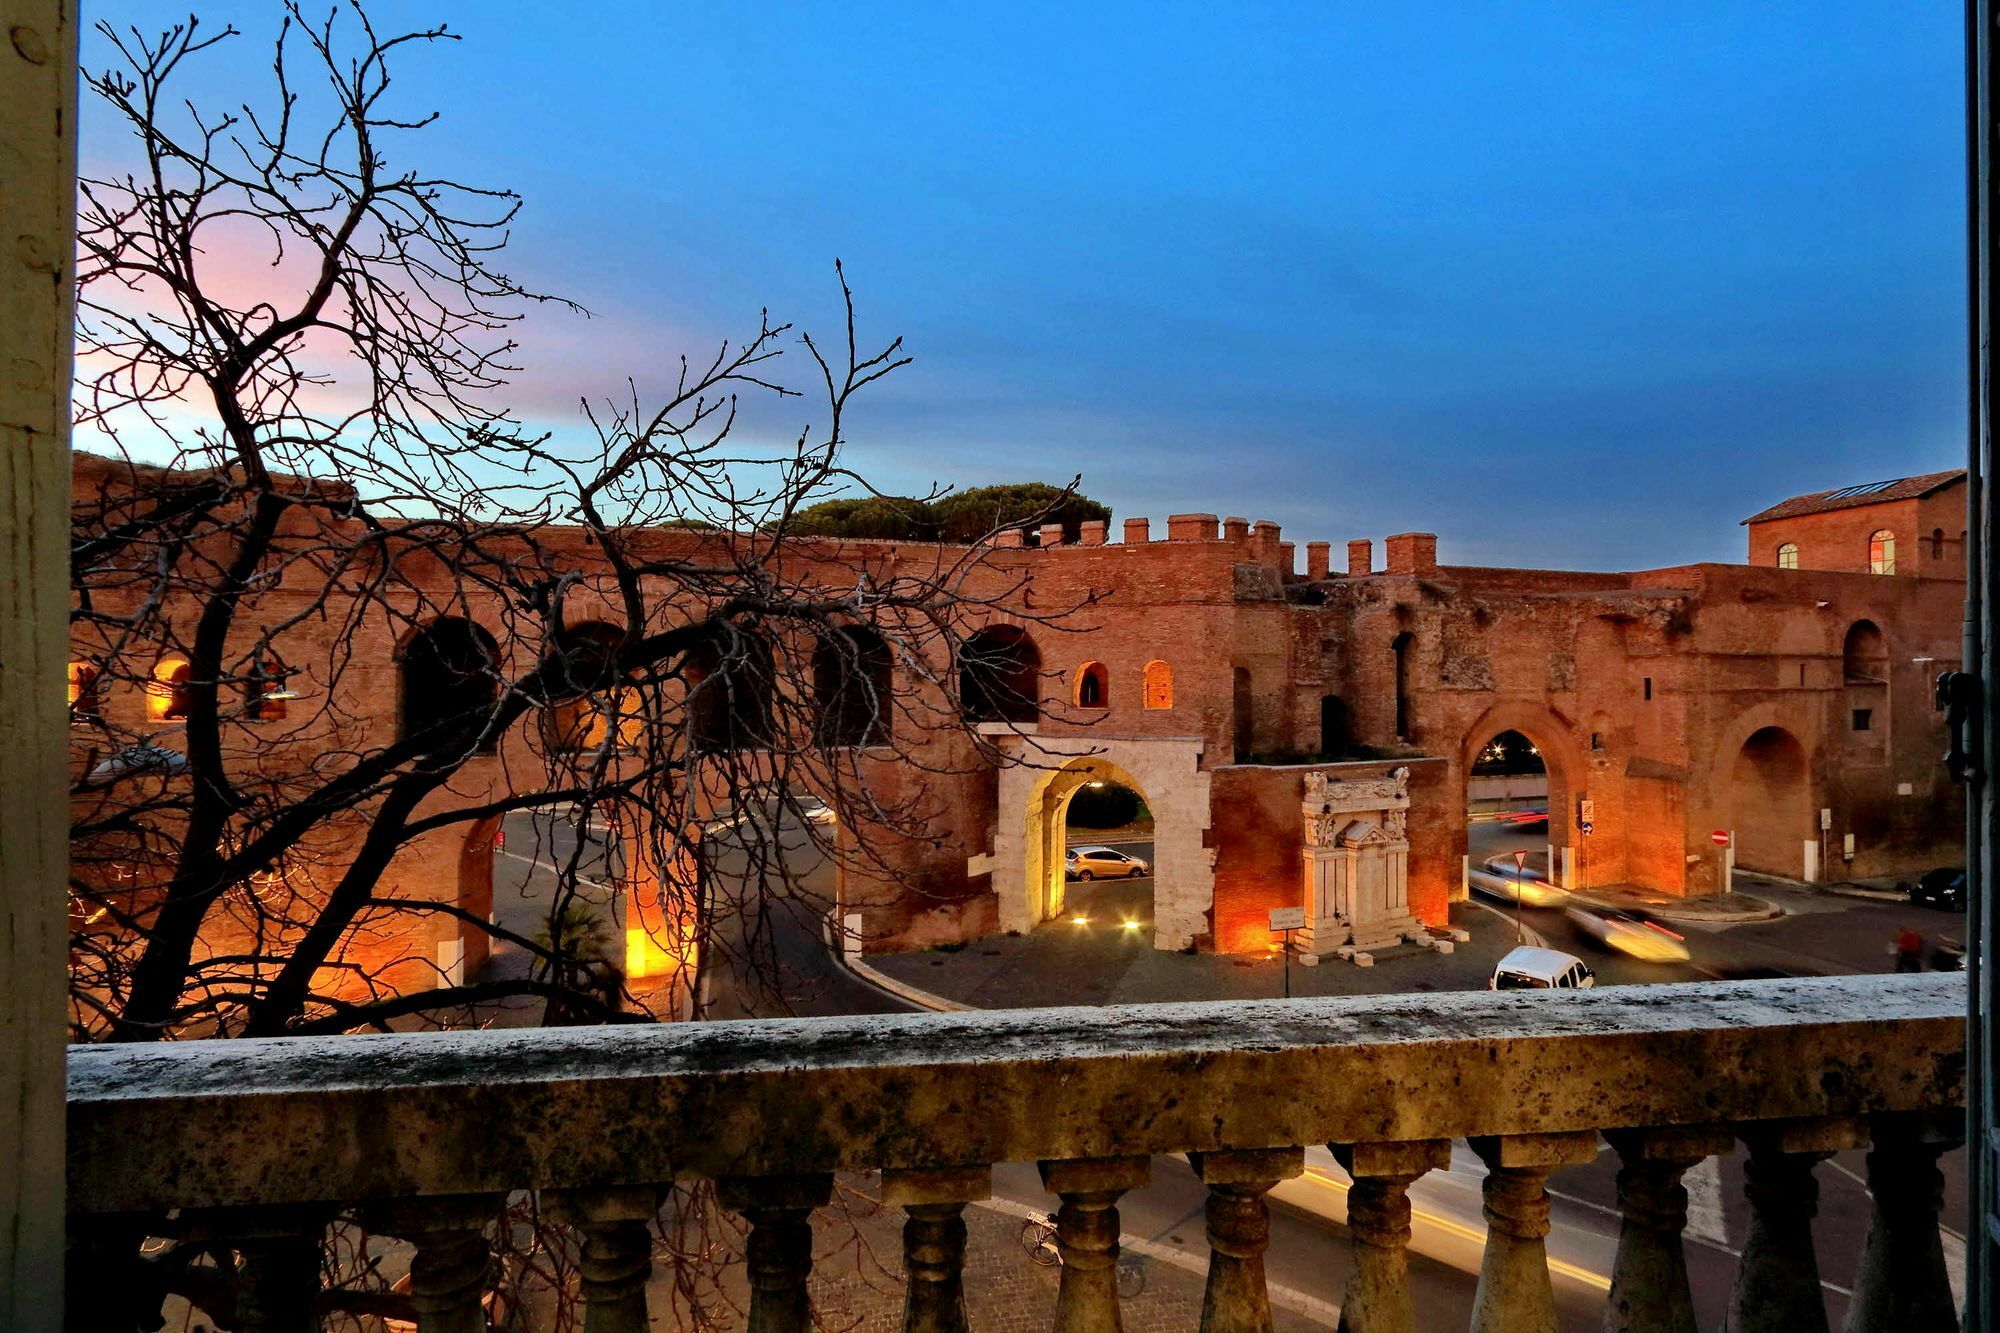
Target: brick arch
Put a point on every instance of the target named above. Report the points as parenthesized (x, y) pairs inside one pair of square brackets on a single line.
[(1562, 756), (1772, 823)]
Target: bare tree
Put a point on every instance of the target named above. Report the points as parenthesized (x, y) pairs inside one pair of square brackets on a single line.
[(297, 346)]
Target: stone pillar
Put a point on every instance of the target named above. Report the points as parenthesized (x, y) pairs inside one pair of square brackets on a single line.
[(1360, 558), (1239, 1231), (617, 1252), (1288, 558), (278, 1258), (1777, 1281), (1190, 527), (1052, 535), (1377, 1298), (1138, 531), (1514, 1293), (1087, 1236), (1412, 553), (1236, 529), (1902, 1282), (37, 293), (1649, 1278), (1319, 560), (780, 1258), (1010, 537), (934, 1241), (453, 1264), (1092, 532)]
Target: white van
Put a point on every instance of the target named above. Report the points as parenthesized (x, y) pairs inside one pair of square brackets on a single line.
[(1529, 968)]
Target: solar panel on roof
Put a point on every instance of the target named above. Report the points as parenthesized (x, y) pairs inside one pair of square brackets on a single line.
[(1865, 488)]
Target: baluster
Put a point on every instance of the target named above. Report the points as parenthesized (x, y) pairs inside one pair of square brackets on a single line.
[(278, 1271), (933, 1202), (1377, 1298), (780, 1258), (1649, 1278), (452, 1267), (1239, 1231), (616, 1257), (105, 1282), (1902, 1282), (1087, 1236), (1777, 1281), (1514, 1294)]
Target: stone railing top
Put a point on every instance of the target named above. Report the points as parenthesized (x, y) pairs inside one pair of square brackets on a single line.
[(347, 1119)]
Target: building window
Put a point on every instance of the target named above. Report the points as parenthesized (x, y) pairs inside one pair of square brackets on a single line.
[(1788, 555), (999, 676), (1882, 552), (85, 690), (1597, 740), (1862, 717), (1646, 687), (267, 690), (1159, 687), (1093, 686), (449, 677), (852, 677), (1401, 647), (1937, 543), (167, 693)]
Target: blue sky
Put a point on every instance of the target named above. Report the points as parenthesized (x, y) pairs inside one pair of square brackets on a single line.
[(1570, 285)]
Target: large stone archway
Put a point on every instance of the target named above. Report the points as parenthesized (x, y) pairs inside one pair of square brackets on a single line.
[(1555, 739), (1028, 842), (1765, 793)]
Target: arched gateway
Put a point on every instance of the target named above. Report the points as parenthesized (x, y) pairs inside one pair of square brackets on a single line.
[(1034, 796)]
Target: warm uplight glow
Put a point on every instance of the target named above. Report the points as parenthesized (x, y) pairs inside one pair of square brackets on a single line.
[(1079, 920), (1097, 784), (1131, 925)]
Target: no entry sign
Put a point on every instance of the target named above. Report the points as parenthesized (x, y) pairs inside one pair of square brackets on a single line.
[(1720, 837)]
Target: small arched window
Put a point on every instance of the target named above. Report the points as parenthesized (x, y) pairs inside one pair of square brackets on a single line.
[(999, 674), (450, 676), (167, 693), (1093, 686), (85, 690), (1937, 543), (1788, 555), (1882, 552), (1159, 689), (852, 678)]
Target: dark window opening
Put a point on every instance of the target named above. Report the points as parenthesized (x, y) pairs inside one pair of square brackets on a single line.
[(1646, 687), (729, 694), (1093, 686), (1862, 718), (1336, 726), (1242, 702), (451, 683), (851, 679), (1401, 647), (1000, 676)]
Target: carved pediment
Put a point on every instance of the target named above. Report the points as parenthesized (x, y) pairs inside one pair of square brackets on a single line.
[(1364, 833)]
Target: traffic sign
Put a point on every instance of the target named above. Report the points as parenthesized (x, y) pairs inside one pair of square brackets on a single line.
[(1585, 827), (1520, 860), (1288, 918), (1720, 837)]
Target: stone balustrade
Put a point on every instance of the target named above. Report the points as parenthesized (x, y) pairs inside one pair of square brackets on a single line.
[(425, 1136)]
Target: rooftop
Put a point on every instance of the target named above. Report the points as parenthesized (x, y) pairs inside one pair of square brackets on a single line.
[(1865, 493)]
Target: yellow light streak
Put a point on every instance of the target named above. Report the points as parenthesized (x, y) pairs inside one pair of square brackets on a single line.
[(1464, 1232)]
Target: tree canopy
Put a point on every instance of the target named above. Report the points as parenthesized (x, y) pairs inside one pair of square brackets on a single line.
[(958, 516)]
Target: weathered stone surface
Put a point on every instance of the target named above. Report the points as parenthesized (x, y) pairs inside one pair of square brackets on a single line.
[(356, 1118)]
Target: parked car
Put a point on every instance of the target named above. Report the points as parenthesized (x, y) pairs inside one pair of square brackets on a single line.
[(1103, 863), (1530, 968), (1630, 933), (1943, 887)]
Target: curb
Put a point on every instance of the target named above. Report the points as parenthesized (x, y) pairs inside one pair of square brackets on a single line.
[(1769, 912), (903, 990), (1872, 895)]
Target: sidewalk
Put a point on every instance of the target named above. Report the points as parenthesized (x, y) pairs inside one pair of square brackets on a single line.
[(1102, 962)]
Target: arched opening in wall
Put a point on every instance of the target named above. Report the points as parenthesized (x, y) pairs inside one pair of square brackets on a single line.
[(1336, 727), (1524, 771), (1159, 685), (1095, 829), (1093, 686), (1509, 784), (167, 693), (1788, 555), (852, 684), (590, 707), (1242, 702), (1770, 803), (1000, 675), (86, 692), (449, 676), (1865, 675), (1937, 543), (729, 682), (559, 878), (1865, 654)]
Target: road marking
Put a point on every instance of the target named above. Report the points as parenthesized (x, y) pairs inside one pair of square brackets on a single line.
[(531, 861)]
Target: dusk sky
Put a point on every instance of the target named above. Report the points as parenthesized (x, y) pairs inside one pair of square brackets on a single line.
[(1570, 285)]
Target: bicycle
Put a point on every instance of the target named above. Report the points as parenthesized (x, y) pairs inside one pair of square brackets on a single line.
[(1038, 1238)]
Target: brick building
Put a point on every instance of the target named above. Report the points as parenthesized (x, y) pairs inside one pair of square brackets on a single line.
[(1207, 670)]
